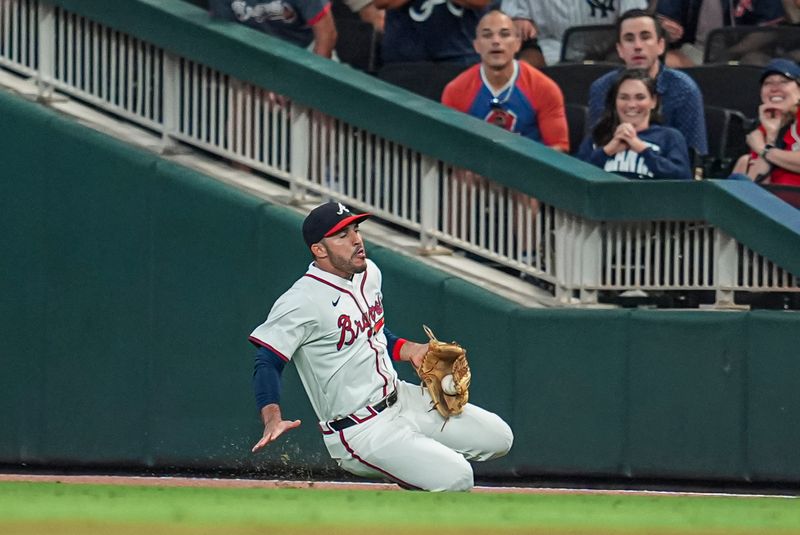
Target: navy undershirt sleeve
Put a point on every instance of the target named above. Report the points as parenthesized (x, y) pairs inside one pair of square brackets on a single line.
[(267, 377), (391, 340)]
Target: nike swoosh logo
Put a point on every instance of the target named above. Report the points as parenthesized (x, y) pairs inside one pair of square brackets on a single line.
[(334, 303)]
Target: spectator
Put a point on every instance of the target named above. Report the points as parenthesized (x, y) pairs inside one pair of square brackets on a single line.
[(541, 24), (775, 144), (430, 30), (306, 23), (688, 23), (640, 43), (506, 92), (628, 141), (792, 9), (367, 12)]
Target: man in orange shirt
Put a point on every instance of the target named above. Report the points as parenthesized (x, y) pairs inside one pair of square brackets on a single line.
[(508, 93)]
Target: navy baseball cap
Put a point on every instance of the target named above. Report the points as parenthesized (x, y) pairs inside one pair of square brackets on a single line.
[(327, 219), (784, 67)]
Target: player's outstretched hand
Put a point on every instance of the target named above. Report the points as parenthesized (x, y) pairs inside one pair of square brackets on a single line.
[(271, 434), (274, 425)]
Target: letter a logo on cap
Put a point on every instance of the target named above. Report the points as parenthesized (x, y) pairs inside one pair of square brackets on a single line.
[(342, 209)]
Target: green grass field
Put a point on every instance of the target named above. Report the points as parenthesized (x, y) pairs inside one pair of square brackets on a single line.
[(55, 508)]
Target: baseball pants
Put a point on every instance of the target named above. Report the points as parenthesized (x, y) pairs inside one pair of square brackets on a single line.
[(407, 444)]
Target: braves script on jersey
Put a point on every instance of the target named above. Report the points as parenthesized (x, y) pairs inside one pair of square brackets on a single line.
[(332, 329)]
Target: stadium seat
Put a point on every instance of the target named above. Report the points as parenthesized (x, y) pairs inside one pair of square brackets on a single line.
[(358, 44), (726, 140), (590, 43), (574, 79), (752, 45), (731, 86), (426, 78), (577, 119)]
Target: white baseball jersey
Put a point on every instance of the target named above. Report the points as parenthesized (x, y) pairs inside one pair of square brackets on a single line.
[(332, 329), (552, 18)]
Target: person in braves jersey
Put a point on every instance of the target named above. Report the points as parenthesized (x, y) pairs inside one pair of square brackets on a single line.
[(331, 324), (508, 93), (306, 23)]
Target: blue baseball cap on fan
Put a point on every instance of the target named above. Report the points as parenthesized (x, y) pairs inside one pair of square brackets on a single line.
[(784, 67), (327, 219)]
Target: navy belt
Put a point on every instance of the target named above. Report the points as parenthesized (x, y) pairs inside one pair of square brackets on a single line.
[(347, 421)]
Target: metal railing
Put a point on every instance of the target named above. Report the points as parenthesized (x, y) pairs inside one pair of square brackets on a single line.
[(19, 35), (187, 102)]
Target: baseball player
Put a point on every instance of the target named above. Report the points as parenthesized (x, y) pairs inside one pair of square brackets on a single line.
[(331, 324)]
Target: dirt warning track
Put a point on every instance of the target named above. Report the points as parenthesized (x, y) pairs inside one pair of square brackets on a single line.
[(171, 481)]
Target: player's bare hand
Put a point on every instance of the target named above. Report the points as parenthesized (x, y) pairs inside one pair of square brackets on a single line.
[(271, 432), (274, 425)]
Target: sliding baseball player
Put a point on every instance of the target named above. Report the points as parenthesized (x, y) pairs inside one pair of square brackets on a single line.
[(331, 325)]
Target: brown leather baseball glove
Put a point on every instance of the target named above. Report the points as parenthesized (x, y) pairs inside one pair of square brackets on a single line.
[(443, 360)]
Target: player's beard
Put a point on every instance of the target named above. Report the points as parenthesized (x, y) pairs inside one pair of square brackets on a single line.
[(346, 264)]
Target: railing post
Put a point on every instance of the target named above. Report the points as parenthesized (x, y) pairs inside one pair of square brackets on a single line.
[(170, 102), (46, 65), (299, 140), (726, 253), (578, 248), (563, 258), (429, 203), (590, 254)]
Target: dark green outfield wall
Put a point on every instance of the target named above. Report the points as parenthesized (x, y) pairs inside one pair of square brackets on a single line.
[(129, 286)]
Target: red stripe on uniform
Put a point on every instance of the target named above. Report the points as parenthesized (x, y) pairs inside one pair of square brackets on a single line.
[(378, 367), (343, 290), (372, 414), (382, 471), (369, 341), (324, 430), (258, 342), (319, 15)]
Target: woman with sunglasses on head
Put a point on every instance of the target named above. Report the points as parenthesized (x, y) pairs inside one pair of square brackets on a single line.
[(627, 139)]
